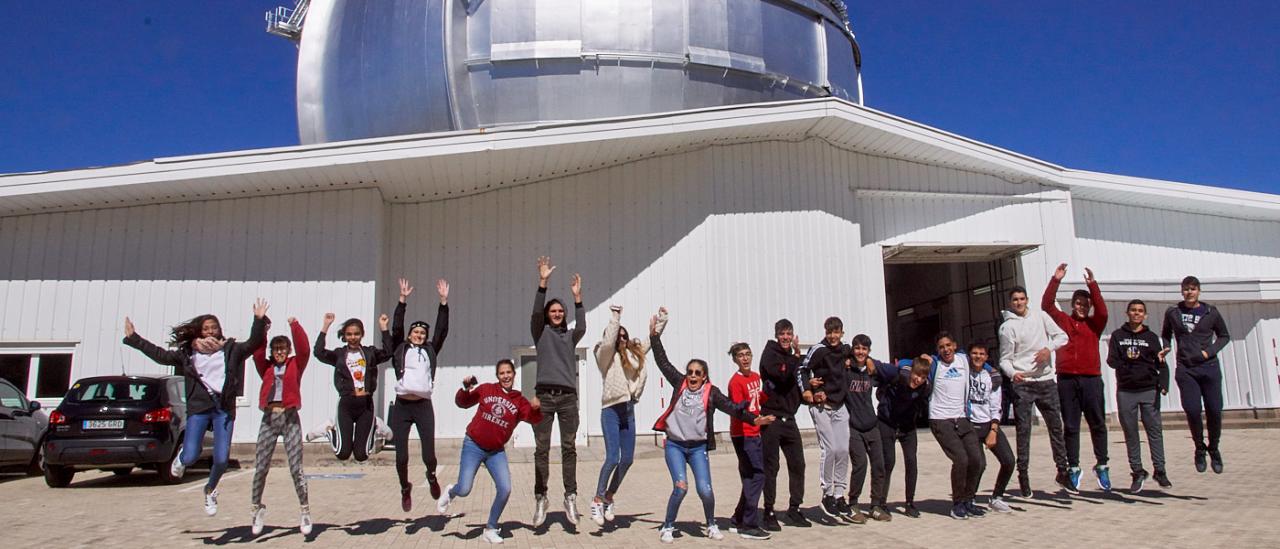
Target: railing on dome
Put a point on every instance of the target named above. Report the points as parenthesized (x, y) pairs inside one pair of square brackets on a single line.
[(287, 23)]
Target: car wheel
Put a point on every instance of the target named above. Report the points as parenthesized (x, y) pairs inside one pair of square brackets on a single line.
[(165, 469), (37, 462), (121, 471), (58, 476)]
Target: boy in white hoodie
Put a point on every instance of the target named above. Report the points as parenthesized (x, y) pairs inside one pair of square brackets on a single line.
[(1027, 341)]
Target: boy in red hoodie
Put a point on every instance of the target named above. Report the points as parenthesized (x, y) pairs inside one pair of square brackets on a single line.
[(1080, 373), (279, 400), (500, 409)]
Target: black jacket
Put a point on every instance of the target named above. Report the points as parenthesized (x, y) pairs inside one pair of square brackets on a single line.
[(718, 400), (199, 399), (1210, 335), (397, 339), (857, 400), (899, 404), (373, 356), (1136, 359), (781, 388), (826, 362)]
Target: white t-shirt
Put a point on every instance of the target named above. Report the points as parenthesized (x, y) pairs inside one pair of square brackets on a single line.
[(950, 398), (417, 373), (982, 395), (277, 387), (212, 369), (356, 365)]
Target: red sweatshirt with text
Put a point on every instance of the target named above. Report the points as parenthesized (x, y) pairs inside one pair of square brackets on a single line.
[(1080, 355), (745, 388), (500, 410)]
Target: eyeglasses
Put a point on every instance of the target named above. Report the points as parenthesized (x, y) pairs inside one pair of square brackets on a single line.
[(696, 373)]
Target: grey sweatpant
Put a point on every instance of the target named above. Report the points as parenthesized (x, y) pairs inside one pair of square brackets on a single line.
[(833, 445), (275, 424), (1144, 404)]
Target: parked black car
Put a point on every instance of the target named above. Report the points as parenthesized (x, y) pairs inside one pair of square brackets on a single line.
[(116, 423), (21, 430)]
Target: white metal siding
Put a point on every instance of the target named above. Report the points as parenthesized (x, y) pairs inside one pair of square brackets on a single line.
[(75, 276)]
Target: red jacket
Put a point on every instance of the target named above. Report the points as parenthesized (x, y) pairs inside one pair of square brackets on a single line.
[(1080, 355), (745, 389), (499, 412), (293, 367)]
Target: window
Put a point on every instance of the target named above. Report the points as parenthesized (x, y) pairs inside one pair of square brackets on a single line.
[(115, 391), (10, 398), (54, 376), (37, 372), (14, 369)]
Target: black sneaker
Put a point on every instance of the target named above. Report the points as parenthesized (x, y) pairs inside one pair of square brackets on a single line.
[(1064, 480), (958, 512), (1162, 479), (973, 510), (770, 521), (753, 533), (1215, 461), (797, 519), (843, 508), (881, 513), (1139, 478), (1024, 484), (911, 511), (1201, 466), (829, 507)]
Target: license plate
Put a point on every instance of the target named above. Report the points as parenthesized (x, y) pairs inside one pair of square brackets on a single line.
[(104, 424)]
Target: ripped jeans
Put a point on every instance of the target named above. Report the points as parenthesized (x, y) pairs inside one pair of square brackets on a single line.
[(694, 454)]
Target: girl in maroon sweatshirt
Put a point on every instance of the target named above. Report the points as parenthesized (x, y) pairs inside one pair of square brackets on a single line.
[(500, 409)]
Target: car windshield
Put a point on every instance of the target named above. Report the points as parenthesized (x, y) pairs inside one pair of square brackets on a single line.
[(114, 391)]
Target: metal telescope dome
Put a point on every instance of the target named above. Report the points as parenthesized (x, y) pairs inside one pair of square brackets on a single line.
[(372, 68)]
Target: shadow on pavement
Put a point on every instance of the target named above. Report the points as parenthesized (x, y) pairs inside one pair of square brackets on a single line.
[(622, 522)]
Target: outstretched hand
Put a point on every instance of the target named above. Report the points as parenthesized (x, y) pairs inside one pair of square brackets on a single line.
[(128, 327), (328, 321), (260, 308), (576, 287), (545, 268), (764, 420), (1088, 275), (442, 288), (405, 289), (1060, 272), (384, 322)]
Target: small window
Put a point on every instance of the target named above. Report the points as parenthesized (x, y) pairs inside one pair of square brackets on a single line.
[(11, 398), (54, 377), (122, 390), (16, 369)]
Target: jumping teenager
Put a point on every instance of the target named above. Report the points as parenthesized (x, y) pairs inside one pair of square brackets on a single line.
[(949, 421), (1201, 333), (1027, 341), (557, 388), (1142, 376), (1080, 373), (985, 397), (415, 360), (499, 409), (213, 370), (688, 423), (745, 391), (279, 399), (355, 376), (779, 363), (902, 395), (621, 362), (822, 375)]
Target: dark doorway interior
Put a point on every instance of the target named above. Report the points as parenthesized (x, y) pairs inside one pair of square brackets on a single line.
[(963, 298)]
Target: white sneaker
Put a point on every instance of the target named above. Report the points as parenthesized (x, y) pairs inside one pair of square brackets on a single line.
[(539, 510), (259, 516), (571, 508), (177, 469), (211, 502), (304, 523), (324, 431), (492, 535), (998, 505), (597, 513), (667, 535), (713, 532), (608, 511), (442, 504)]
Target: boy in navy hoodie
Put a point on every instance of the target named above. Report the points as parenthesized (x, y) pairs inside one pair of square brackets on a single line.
[(1201, 334), (1137, 355), (864, 436)]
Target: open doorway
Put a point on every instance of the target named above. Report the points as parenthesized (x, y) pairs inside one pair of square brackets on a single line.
[(958, 289)]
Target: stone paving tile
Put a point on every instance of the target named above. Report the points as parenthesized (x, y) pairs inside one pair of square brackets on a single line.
[(1234, 510)]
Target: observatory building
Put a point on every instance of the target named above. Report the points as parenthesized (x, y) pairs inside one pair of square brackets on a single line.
[(711, 156)]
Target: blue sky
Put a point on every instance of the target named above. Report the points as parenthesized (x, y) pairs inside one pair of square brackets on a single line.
[(1181, 90)]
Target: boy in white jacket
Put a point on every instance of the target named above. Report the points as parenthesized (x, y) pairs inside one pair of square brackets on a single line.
[(1027, 341)]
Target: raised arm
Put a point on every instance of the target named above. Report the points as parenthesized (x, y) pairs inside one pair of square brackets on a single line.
[(324, 355), (442, 316), (258, 331), (608, 346), (397, 323), (579, 312), (1049, 302), (302, 352), (1100, 314), (538, 320), (260, 362), (152, 351), (668, 370), (383, 353)]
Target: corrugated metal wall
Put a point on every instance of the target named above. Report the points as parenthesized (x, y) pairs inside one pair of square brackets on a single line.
[(75, 276)]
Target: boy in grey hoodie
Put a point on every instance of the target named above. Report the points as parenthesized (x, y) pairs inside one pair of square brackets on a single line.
[(1027, 341)]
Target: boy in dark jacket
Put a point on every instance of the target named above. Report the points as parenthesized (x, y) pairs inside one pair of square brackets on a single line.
[(1201, 334), (779, 363), (1137, 355), (902, 395), (822, 378), (864, 437)]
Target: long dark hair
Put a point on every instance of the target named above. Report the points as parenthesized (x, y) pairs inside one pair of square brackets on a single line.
[(183, 334)]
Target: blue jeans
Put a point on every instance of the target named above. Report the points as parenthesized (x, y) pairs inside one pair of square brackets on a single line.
[(618, 422), (496, 462), (193, 441), (695, 456)]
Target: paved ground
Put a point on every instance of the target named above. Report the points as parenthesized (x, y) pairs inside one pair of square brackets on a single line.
[(1233, 510)]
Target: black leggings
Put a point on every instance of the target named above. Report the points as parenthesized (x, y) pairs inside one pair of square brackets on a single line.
[(1003, 453), (413, 413), (354, 427), (907, 438)]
